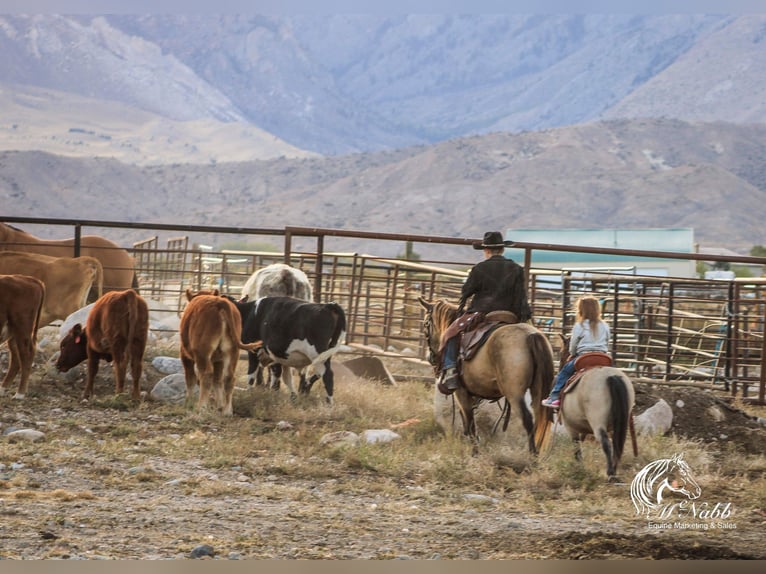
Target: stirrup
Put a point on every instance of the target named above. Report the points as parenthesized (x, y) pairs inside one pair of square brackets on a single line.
[(449, 382)]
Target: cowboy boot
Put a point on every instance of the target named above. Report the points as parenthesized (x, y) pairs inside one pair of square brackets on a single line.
[(449, 381)]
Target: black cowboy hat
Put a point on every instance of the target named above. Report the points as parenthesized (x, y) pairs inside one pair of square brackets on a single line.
[(492, 240)]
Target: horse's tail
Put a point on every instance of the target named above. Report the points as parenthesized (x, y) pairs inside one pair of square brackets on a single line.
[(542, 381), (619, 413)]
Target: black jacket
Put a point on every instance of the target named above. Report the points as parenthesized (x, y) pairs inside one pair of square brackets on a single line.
[(496, 284)]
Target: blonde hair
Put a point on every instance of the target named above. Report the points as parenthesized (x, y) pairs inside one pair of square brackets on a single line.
[(589, 308)]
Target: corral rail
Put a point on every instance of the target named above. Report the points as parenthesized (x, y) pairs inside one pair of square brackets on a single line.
[(665, 329)]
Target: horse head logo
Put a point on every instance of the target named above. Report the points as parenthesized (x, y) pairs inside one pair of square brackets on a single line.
[(667, 475)]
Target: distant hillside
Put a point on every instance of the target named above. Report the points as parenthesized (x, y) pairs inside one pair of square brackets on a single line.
[(70, 125), (630, 174), (337, 84)]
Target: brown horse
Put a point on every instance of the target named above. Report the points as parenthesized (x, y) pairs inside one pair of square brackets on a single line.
[(515, 358), (601, 402), (118, 265)]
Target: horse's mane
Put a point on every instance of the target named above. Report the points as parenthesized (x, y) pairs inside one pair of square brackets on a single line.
[(442, 314)]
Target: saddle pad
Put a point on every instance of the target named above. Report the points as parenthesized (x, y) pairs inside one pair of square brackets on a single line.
[(594, 359)]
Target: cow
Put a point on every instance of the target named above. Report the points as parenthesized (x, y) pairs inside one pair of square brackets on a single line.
[(67, 280), (294, 333), (277, 279), (21, 304), (118, 265), (116, 331), (211, 331)]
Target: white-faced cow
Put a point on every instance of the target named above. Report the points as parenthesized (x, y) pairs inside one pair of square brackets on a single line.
[(297, 334), (211, 331), (21, 303), (275, 280), (116, 331), (67, 280)]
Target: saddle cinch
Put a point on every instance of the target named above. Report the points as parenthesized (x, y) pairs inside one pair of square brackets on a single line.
[(474, 329), (585, 362)]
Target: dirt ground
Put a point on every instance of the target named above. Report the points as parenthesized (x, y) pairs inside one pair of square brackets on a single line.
[(71, 497)]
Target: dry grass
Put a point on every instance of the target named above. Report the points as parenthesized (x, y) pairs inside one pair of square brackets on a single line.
[(114, 445)]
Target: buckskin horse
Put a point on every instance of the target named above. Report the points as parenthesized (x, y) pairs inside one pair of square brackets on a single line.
[(515, 358), (599, 398)]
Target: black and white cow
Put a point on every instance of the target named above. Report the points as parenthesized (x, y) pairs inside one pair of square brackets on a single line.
[(275, 280), (294, 333)]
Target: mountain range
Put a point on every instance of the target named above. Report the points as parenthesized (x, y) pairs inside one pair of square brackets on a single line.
[(438, 124), (337, 84)]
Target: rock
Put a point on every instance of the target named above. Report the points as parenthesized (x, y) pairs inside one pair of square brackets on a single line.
[(379, 435), (657, 419), (202, 551), (680, 404), (480, 498), (168, 365), (339, 439), (171, 389), (284, 425), (29, 435), (370, 367), (716, 414), (80, 316)]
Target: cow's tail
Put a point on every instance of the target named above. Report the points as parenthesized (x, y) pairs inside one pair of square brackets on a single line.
[(99, 279), (251, 347), (338, 335), (131, 302), (39, 314)]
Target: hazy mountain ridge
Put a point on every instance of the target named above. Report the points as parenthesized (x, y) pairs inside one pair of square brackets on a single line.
[(612, 174), (345, 83)]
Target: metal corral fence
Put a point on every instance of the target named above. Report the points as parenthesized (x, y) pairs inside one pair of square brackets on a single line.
[(671, 330)]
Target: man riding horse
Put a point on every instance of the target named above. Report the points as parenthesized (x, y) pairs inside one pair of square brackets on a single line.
[(496, 284)]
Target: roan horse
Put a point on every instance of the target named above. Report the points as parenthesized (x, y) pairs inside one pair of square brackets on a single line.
[(118, 265), (515, 358), (601, 401)]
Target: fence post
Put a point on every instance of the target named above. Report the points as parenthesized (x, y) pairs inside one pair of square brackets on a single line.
[(77, 239)]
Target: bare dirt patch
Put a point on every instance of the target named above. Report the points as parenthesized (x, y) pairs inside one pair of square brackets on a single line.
[(117, 480)]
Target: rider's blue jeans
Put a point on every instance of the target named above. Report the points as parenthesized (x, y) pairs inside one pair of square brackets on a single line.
[(449, 360), (566, 371)]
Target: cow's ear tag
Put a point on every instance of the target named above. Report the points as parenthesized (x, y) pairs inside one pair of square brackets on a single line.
[(77, 339)]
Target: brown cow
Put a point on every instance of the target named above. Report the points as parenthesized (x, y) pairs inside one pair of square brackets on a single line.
[(116, 330), (211, 331), (118, 265), (67, 280), (21, 303)]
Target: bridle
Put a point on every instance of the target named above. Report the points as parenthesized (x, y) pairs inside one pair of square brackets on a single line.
[(428, 325)]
